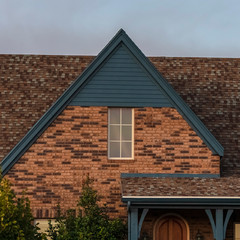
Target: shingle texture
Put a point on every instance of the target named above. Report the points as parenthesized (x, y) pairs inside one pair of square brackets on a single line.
[(30, 84), (196, 187)]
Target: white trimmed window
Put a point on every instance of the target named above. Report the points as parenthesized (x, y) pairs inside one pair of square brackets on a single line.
[(237, 231), (120, 133), (43, 225)]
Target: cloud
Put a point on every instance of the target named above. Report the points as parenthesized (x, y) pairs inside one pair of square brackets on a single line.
[(169, 28)]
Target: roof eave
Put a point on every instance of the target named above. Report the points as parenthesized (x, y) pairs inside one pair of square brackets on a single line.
[(177, 101), (35, 132), (182, 202)]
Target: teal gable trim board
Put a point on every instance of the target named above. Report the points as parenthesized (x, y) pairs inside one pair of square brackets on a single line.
[(166, 92), (168, 175)]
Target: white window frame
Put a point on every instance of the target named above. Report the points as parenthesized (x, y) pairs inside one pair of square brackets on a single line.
[(132, 141), (236, 232), (43, 224)]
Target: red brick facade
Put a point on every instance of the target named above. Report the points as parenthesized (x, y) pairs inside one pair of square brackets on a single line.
[(76, 144), (173, 171)]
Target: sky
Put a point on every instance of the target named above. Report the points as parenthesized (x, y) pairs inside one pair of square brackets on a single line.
[(177, 28)]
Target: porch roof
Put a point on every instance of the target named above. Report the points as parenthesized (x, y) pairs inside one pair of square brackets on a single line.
[(184, 191)]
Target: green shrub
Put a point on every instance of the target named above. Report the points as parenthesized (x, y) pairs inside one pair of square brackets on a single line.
[(15, 215), (90, 223)]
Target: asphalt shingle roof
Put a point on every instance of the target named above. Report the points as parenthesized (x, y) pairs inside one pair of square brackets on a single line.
[(30, 84), (195, 187)]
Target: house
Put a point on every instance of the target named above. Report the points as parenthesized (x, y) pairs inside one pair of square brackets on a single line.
[(160, 137)]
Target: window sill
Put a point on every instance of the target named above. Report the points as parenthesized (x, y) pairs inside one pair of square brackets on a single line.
[(118, 160)]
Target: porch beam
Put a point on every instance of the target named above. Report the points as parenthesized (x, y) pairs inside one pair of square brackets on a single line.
[(142, 206)]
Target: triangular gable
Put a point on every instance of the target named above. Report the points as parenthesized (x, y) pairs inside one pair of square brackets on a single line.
[(169, 95), (121, 80)]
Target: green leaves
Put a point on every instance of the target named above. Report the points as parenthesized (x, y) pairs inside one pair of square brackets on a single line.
[(15, 215), (91, 222)]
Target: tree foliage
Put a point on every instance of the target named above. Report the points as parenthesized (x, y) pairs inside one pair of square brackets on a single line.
[(15, 215), (90, 223)]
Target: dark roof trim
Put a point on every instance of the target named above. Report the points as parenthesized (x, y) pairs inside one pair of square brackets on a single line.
[(177, 101), (184, 202), (166, 175), (63, 101), (52, 113)]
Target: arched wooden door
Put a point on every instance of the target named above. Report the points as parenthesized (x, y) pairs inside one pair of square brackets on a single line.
[(170, 228)]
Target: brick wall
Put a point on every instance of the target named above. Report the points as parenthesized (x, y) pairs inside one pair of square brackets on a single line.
[(75, 145)]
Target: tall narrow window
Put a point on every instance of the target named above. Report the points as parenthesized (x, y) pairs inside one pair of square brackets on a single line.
[(120, 133)]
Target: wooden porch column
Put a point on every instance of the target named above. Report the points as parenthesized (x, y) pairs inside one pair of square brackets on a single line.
[(134, 227), (219, 226), (133, 224)]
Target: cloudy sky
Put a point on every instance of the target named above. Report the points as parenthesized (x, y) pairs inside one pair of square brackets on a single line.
[(208, 28)]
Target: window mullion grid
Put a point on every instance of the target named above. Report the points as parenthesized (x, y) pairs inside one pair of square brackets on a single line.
[(120, 132)]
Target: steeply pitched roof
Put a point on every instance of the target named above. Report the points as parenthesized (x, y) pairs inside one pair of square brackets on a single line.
[(29, 85), (203, 83), (121, 39)]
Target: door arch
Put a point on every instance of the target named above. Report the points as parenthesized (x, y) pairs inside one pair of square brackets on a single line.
[(171, 227)]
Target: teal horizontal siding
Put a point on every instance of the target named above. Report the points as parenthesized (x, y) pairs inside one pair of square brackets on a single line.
[(125, 100), (117, 91), (134, 75), (121, 81), (107, 87), (118, 95), (122, 104)]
